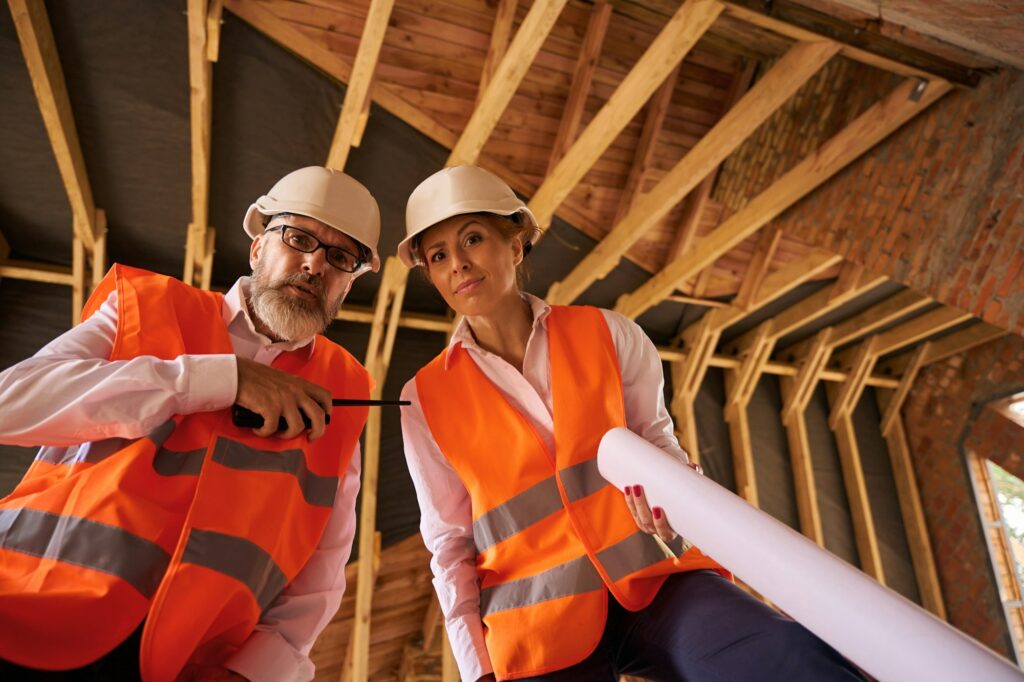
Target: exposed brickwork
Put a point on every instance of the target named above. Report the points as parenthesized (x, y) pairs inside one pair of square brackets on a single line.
[(936, 206), (939, 412)]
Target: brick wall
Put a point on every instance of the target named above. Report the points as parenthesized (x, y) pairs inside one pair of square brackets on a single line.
[(943, 409), (936, 206)]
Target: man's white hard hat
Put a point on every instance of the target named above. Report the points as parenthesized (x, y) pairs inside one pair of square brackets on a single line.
[(459, 190), (335, 199)]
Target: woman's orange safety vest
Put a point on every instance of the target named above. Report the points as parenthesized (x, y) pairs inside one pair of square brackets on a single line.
[(552, 536), (196, 527)]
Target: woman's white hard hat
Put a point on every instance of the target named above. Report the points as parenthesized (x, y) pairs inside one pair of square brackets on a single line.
[(459, 190), (330, 196)]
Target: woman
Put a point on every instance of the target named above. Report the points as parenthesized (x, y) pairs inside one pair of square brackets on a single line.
[(543, 570)]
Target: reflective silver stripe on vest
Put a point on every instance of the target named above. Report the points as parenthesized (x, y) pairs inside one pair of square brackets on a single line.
[(318, 490), (237, 558), (171, 463), (535, 504), (578, 576), (89, 544), (99, 450), (573, 577)]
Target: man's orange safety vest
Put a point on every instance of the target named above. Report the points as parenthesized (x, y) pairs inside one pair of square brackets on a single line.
[(553, 537), (196, 527)]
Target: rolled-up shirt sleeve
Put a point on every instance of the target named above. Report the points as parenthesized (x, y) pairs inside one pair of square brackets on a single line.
[(446, 523), (70, 393)]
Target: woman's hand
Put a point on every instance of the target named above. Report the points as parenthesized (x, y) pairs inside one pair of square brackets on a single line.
[(648, 519)]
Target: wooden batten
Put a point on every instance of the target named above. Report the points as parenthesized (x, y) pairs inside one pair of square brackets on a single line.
[(739, 438), (517, 60), (757, 270), (674, 41), (449, 670), (861, 364), (213, 25), (812, 365), (200, 75), (895, 402), (862, 134), (921, 553), (79, 279), (36, 272), (357, 93), (767, 96), (586, 64)]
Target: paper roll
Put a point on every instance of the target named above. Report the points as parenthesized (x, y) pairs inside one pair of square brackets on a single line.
[(884, 633)]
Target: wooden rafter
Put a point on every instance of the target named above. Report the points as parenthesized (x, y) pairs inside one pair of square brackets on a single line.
[(514, 64), (643, 156), (754, 357), (757, 270), (348, 666), (800, 22), (895, 401), (697, 200), (200, 76), (699, 343), (43, 62), (87, 269), (213, 24), (683, 414), (921, 553), (579, 90), (803, 467), (812, 366), (957, 342), (881, 119), (674, 41), (36, 272), (739, 440), (767, 96), (857, 494), (853, 281), (357, 94), (861, 359), (501, 33), (387, 311)]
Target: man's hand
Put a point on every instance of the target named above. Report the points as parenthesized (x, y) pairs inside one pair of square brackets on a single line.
[(272, 394)]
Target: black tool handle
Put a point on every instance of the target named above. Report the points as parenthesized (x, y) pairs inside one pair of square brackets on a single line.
[(245, 418)]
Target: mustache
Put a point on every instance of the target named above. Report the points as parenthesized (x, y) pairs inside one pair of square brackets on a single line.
[(309, 281)]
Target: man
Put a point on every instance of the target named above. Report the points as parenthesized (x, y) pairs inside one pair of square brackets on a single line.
[(153, 537)]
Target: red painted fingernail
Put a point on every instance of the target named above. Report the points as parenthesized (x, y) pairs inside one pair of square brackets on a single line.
[(626, 491), (657, 512), (638, 491)]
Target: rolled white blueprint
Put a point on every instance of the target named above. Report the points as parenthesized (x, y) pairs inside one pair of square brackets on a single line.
[(881, 631)]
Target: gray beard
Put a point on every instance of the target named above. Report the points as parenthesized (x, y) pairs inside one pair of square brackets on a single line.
[(285, 316)]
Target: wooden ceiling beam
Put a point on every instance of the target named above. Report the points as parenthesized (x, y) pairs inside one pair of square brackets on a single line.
[(643, 155), (861, 363), (200, 76), (36, 272), (501, 33), (514, 64), (874, 125), (857, 493), (811, 368), (357, 92), (799, 22), (877, 316), (894, 402), (802, 464), (909, 496), (37, 45), (739, 440), (755, 107), (674, 41), (820, 303), (214, 21), (579, 90), (387, 311), (697, 199), (947, 346), (757, 269)]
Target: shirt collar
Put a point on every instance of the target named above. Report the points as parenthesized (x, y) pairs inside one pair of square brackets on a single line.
[(463, 334), (238, 321)]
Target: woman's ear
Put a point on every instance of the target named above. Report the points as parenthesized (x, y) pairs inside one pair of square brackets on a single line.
[(517, 250)]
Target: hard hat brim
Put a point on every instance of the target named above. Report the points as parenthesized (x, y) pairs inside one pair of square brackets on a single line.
[(405, 252)]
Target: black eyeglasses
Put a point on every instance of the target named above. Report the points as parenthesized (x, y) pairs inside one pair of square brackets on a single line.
[(303, 241)]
